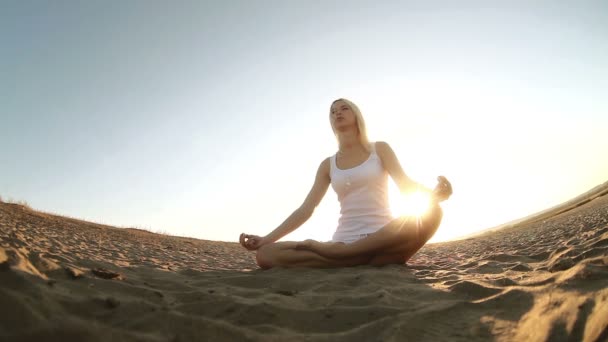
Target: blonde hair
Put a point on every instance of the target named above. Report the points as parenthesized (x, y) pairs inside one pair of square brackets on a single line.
[(363, 139)]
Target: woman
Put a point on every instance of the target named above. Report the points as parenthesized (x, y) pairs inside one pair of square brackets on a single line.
[(367, 233)]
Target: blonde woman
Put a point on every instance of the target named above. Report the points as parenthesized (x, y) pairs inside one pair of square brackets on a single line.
[(366, 233)]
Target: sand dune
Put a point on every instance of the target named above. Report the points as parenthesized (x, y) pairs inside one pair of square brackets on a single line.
[(68, 280)]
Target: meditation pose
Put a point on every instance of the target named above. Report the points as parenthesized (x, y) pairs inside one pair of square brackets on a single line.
[(367, 233)]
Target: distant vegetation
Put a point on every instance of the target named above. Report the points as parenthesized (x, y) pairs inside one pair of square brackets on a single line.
[(18, 202)]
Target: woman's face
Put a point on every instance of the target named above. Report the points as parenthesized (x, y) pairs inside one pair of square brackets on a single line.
[(341, 116)]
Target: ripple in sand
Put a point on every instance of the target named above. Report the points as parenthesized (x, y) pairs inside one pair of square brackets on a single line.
[(581, 275), (503, 281), (520, 267), (560, 264), (562, 316), (473, 290), (510, 304), (503, 257), (488, 267)]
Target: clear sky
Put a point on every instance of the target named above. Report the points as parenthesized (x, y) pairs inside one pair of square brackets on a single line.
[(210, 118)]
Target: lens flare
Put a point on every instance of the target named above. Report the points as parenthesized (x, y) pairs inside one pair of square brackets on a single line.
[(416, 204)]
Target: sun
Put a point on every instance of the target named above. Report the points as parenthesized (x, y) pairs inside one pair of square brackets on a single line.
[(414, 204)]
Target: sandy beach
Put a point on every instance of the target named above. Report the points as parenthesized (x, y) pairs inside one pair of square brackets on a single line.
[(63, 279)]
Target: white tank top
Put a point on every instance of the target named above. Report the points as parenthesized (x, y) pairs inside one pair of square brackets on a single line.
[(363, 195)]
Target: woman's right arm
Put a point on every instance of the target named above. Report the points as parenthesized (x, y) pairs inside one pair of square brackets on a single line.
[(303, 213)]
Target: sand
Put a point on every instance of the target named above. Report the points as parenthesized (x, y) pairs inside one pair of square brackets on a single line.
[(63, 279)]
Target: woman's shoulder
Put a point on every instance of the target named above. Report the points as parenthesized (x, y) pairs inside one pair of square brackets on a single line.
[(381, 146), (325, 165), (384, 151)]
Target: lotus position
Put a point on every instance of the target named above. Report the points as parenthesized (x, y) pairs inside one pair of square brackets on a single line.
[(367, 233)]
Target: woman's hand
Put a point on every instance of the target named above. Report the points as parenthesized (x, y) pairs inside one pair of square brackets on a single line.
[(251, 242), (443, 190)]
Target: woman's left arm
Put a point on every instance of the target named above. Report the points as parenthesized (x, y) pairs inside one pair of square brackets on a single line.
[(442, 191), (393, 167)]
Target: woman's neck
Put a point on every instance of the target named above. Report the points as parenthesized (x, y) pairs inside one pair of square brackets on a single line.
[(349, 142)]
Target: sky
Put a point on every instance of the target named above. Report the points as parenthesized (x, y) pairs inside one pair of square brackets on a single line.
[(209, 118)]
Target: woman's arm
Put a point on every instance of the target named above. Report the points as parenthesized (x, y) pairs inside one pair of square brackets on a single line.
[(299, 216), (442, 191), (393, 167)]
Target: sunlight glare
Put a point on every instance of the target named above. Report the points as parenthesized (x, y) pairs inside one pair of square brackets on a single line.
[(416, 203)]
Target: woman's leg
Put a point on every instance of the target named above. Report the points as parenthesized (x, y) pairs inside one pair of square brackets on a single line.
[(395, 243), (284, 254), (413, 235), (402, 236)]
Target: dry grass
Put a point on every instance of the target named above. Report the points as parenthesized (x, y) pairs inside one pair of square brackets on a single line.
[(27, 206), (149, 230), (24, 204), (17, 202)]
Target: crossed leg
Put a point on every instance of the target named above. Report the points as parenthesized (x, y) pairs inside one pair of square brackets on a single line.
[(285, 254), (394, 243)]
